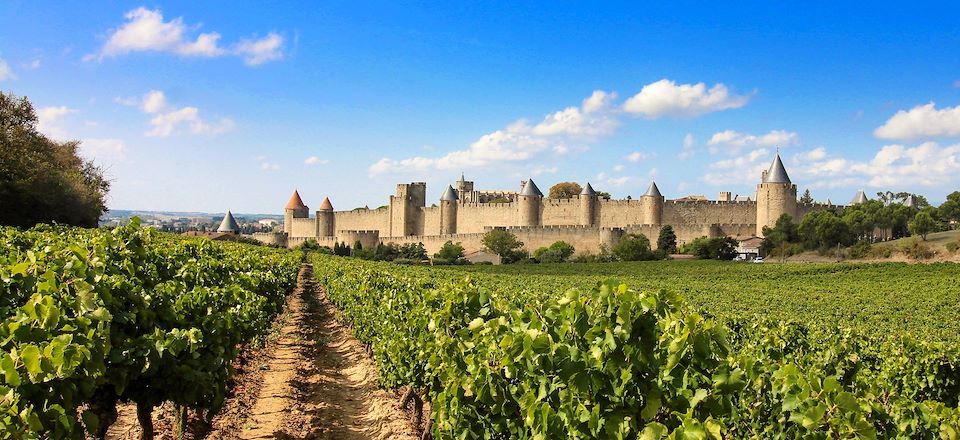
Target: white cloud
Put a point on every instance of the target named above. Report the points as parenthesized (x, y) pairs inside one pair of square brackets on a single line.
[(687, 151), (145, 30), (314, 160), (258, 51), (542, 169), (738, 169), (49, 120), (34, 64), (922, 121), (168, 121), (892, 166), (266, 165), (5, 71), (103, 150), (519, 141), (667, 98), (734, 141), (637, 156), (618, 168), (604, 180)]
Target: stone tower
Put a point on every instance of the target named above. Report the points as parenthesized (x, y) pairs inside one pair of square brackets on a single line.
[(325, 225), (529, 204), (776, 196), (464, 190), (406, 209), (448, 211), (651, 206), (588, 206), (294, 209)]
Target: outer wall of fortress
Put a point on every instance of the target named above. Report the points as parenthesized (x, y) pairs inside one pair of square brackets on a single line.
[(586, 221)]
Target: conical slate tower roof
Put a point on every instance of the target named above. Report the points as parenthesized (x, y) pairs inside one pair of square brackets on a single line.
[(295, 202), (777, 173), (450, 194), (859, 198), (911, 201), (588, 190), (326, 205), (653, 191), (229, 224), (530, 189)]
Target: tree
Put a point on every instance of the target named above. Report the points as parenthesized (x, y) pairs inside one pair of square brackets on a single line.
[(633, 247), (603, 195), (922, 224), (449, 253), (504, 244), (565, 190), (42, 180), (667, 241), (806, 198), (717, 248), (557, 252), (782, 233), (950, 208)]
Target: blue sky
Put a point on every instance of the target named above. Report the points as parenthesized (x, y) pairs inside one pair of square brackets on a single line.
[(208, 106)]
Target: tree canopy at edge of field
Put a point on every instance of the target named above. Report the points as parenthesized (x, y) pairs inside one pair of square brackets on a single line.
[(43, 180)]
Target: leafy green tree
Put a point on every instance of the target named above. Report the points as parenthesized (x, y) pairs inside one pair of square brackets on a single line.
[(557, 252), (717, 248), (633, 247), (667, 241), (806, 198), (41, 180), (603, 195), (413, 251), (565, 190), (922, 224), (783, 232), (449, 253), (504, 244), (950, 208)]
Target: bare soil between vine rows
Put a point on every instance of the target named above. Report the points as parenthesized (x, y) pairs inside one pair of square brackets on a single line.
[(312, 380)]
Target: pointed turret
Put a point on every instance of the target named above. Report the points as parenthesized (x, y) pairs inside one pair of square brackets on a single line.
[(653, 191), (530, 189), (326, 205), (295, 201), (910, 202), (588, 190), (859, 198), (450, 194), (229, 224), (777, 173)]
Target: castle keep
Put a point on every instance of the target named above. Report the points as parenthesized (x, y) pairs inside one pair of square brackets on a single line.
[(586, 221)]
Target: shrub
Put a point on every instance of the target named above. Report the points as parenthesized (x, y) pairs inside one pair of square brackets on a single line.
[(633, 247), (504, 244), (953, 246), (916, 249), (557, 252), (449, 253), (719, 248), (861, 249)]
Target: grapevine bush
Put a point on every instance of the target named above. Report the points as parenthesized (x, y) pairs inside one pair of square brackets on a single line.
[(93, 317), (610, 361)]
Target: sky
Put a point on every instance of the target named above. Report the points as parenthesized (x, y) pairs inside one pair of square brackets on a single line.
[(215, 105)]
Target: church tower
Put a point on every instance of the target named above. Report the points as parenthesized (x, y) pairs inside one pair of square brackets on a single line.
[(776, 196)]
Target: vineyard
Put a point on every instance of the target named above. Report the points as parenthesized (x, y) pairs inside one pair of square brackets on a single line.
[(550, 352), (92, 318)]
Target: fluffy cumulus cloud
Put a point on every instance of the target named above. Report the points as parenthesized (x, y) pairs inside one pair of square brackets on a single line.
[(103, 150), (168, 120), (637, 156), (733, 141), (688, 144), (145, 30), (521, 141), (50, 120), (922, 121), (892, 166), (5, 72), (735, 170), (667, 98), (314, 160)]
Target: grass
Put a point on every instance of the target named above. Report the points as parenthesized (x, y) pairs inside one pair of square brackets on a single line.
[(879, 298), (936, 240)]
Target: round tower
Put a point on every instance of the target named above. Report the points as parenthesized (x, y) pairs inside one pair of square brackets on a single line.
[(588, 206), (776, 196), (651, 206), (448, 211), (529, 203), (294, 209), (325, 225)]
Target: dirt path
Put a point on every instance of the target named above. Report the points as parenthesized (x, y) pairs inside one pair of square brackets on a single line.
[(315, 381)]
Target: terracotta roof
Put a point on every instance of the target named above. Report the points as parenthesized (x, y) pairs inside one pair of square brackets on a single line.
[(326, 205), (295, 201)]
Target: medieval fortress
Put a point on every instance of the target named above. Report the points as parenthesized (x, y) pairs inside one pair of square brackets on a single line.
[(586, 221)]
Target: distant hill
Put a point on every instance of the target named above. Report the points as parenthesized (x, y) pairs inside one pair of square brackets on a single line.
[(116, 214)]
